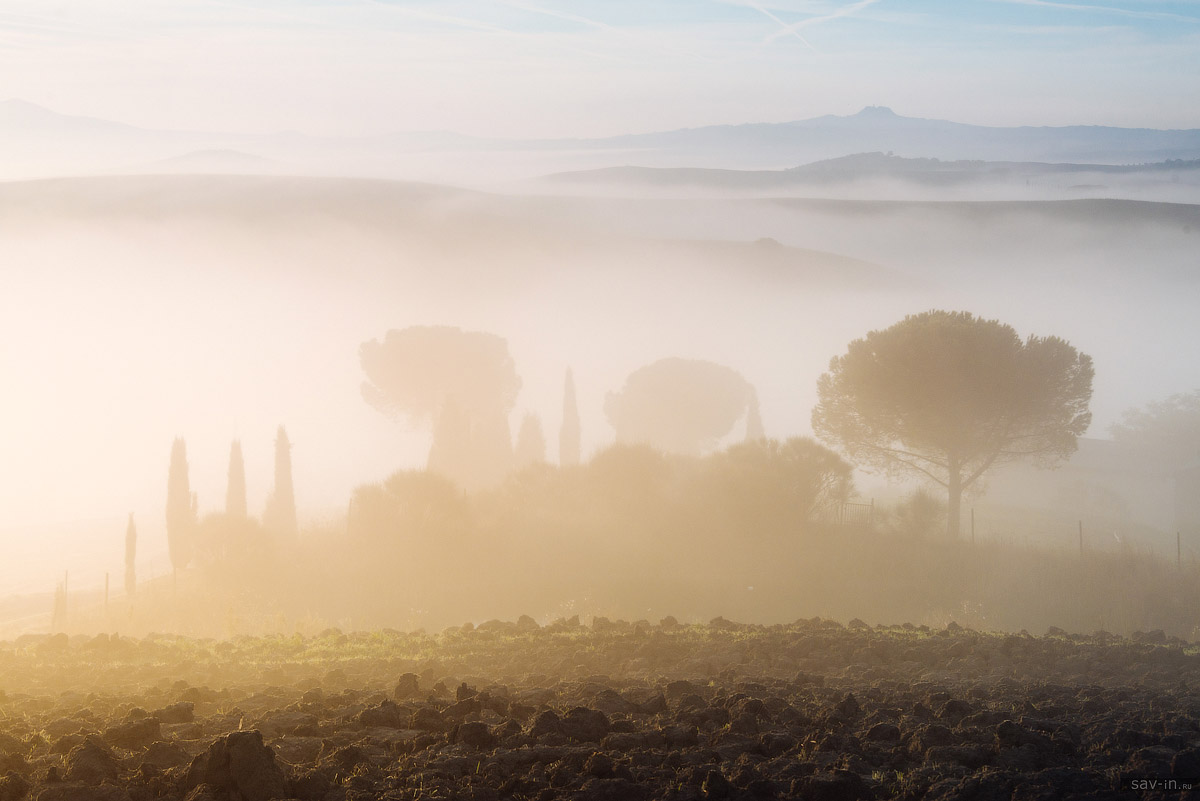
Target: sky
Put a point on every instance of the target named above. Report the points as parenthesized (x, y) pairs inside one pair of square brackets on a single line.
[(495, 68), (599, 67)]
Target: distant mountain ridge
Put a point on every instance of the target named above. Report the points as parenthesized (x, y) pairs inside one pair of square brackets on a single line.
[(888, 163), (17, 114), (35, 141), (880, 129), (864, 166)]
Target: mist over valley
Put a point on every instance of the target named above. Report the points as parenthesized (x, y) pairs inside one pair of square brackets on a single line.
[(676, 402)]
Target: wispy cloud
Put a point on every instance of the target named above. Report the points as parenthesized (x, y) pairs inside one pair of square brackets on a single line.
[(788, 29), (1162, 16), (562, 15), (46, 29), (639, 38), (449, 20), (846, 11), (794, 28)]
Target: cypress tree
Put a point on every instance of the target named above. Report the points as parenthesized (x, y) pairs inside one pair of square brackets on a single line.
[(181, 507), (280, 515), (235, 492), (130, 557), (568, 435)]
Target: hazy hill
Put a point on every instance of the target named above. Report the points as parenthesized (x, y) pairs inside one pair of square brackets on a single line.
[(20, 118), (218, 161), (859, 166), (884, 174), (35, 141), (546, 224), (880, 129), (532, 235)]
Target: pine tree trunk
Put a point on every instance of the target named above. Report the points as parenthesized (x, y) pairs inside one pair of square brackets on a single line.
[(954, 503)]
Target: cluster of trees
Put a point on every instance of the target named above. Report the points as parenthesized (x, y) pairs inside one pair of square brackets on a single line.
[(633, 525), (940, 396), (222, 539), (943, 396), (490, 526), (463, 385), (627, 501), (1167, 430)]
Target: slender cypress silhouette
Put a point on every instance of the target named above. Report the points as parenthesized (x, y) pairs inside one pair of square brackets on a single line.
[(181, 507), (280, 514)]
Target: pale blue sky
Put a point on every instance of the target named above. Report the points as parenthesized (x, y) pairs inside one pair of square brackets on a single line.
[(598, 67)]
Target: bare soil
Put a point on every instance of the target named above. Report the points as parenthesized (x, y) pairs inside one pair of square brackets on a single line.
[(611, 710)]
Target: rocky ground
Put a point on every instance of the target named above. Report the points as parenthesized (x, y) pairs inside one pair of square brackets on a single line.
[(610, 710)]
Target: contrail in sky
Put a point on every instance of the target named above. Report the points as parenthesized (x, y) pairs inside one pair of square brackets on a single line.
[(1120, 12), (559, 15), (787, 28), (795, 27)]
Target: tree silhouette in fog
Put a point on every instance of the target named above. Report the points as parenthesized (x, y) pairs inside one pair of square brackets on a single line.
[(410, 506), (616, 526), (235, 492), (633, 479), (569, 433), (919, 514), (531, 443), (181, 507), (766, 488), (130, 557), (1168, 430), (946, 395), (279, 517), (450, 453), (232, 548), (678, 405), (425, 372)]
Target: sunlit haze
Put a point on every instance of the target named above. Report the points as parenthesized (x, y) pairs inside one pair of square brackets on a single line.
[(582, 400), (211, 209)]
